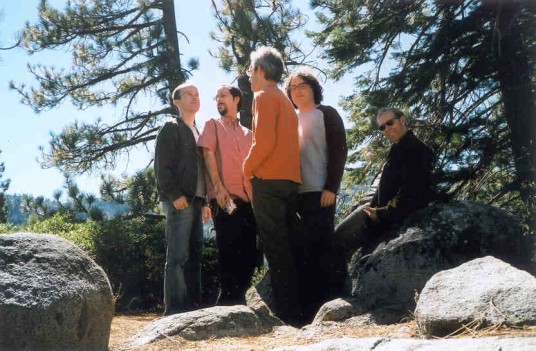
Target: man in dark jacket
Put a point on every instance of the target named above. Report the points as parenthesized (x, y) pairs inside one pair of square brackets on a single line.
[(179, 171), (403, 187)]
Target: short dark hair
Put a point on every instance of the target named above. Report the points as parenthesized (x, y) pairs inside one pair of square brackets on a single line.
[(308, 77), (235, 92), (270, 60)]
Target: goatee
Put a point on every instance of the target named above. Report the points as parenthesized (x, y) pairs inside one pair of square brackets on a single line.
[(223, 111)]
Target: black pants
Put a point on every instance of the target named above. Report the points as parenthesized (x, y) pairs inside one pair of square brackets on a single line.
[(237, 251), (358, 231), (321, 264), (274, 205)]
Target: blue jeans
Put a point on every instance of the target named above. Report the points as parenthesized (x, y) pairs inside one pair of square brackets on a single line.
[(182, 279)]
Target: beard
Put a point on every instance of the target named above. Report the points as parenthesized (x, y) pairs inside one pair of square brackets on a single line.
[(223, 111)]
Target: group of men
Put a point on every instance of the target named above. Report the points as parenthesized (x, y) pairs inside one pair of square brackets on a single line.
[(279, 182)]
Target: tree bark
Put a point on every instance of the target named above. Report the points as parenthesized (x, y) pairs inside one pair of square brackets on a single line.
[(173, 63), (514, 73), (247, 99)]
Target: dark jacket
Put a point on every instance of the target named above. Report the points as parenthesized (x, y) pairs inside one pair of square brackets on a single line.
[(175, 161), (405, 183), (337, 149)]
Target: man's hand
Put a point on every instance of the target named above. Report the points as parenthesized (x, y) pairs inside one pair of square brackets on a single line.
[(327, 198), (222, 196), (205, 214), (371, 212), (181, 203)]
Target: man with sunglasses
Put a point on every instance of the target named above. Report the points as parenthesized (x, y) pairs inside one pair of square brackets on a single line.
[(402, 187)]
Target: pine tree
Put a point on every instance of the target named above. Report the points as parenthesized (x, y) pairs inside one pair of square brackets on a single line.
[(77, 205), (464, 70), (122, 51), (4, 186), (137, 191), (243, 25)]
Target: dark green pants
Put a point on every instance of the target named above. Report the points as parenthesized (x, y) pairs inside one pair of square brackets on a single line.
[(274, 206)]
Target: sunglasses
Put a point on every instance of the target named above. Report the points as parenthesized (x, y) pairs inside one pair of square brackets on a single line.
[(388, 123)]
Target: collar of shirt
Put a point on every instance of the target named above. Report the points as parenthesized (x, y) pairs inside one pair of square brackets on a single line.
[(230, 121)]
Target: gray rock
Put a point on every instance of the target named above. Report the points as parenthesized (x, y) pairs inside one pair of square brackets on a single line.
[(52, 296), (338, 310), (439, 237), (343, 309), (384, 344), (260, 297), (341, 344), (213, 322), (465, 344), (484, 292)]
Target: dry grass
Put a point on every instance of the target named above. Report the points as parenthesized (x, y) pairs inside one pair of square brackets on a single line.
[(124, 327)]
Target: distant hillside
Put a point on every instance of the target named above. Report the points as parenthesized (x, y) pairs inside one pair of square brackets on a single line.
[(17, 216), (14, 209)]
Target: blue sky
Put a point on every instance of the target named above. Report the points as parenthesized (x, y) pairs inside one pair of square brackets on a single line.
[(22, 131)]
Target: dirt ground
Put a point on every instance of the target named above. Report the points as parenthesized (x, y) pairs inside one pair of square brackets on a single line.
[(125, 327)]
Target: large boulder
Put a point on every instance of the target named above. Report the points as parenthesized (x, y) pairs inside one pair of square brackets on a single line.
[(207, 323), (52, 296), (397, 344), (479, 293), (436, 238)]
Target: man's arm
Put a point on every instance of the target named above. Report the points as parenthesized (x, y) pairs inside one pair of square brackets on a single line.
[(166, 161), (337, 148), (212, 167), (415, 188), (266, 110), (337, 153)]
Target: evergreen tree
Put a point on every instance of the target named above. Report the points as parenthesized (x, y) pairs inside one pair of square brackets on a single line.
[(137, 191), (4, 186), (243, 25), (463, 69), (78, 205), (121, 51)]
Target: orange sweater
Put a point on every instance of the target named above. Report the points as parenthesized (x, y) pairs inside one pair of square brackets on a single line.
[(275, 153)]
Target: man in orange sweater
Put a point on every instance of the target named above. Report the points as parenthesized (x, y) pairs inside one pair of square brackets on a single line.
[(273, 165)]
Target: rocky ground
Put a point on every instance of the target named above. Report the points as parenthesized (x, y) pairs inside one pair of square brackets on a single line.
[(126, 326)]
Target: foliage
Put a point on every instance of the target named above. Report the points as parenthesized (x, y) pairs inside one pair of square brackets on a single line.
[(7, 228), (137, 191), (210, 271), (464, 70), (79, 205), (4, 185), (131, 252), (121, 51), (259, 273), (245, 25)]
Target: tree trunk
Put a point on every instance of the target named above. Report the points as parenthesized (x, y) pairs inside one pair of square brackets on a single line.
[(172, 57), (519, 99), (247, 99)]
